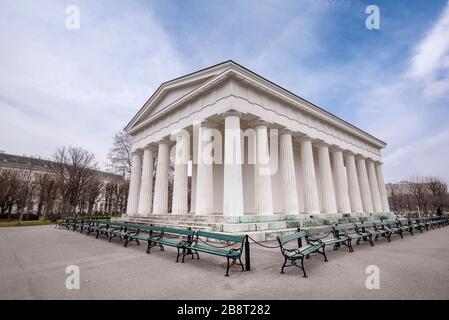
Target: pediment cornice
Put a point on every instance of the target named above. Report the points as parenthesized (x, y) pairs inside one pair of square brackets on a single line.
[(228, 70)]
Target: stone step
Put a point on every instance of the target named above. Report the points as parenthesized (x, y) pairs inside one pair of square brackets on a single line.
[(243, 227), (269, 235)]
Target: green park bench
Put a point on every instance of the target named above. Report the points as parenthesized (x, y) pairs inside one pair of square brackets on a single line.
[(196, 244), (330, 237), (299, 252), (110, 229), (417, 224), (426, 222), (374, 230), (86, 225), (405, 225), (354, 233), (170, 237), (142, 232), (441, 221), (433, 223), (391, 226), (64, 223)]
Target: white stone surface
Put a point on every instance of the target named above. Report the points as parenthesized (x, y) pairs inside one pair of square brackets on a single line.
[(180, 184), (326, 182), (365, 191), (287, 166), (204, 203), (340, 182), (375, 194), (146, 188), (355, 197), (383, 191), (134, 184), (160, 203), (262, 181), (233, 186), (311, 202)]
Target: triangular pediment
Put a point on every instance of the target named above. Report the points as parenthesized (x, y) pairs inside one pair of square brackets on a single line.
[(171, 91), (176, 93)]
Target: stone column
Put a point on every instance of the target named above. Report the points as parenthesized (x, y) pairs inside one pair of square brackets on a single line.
[(134, 184), (204, 204), (160, 203), (353, 184), (289, 188), (146, 189), (180, 183), (340, 182), (311, 201), (375, 195), (382, 189), (233, 184), (365, 191), (263, 196), (326, 182)]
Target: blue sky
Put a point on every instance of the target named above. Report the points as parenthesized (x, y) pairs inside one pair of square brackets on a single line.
[(78, 87)]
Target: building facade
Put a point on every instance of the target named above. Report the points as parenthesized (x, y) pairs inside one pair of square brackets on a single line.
[(249, 147), (33, 167)]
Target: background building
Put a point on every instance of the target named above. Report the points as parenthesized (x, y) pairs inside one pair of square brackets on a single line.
[(30, 186)]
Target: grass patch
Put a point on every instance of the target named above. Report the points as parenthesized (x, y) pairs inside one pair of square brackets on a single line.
[(25, 223)]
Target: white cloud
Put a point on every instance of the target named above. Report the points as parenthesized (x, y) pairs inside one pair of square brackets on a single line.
[(62, 87), (430, 63)]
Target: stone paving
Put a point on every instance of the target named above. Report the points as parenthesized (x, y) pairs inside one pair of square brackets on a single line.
[(33, 262)]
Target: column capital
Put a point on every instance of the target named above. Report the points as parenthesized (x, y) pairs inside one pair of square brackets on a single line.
[(378, 162), (151, 147), (368, 159), (322, 143), (304, 138), (335, 148), (359, 156), (231, 113), (260, 123), (165, 141), (284, 131)]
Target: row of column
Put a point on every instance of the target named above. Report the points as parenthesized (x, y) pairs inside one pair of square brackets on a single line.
[(356, 187), (140, 190), (346, 184)]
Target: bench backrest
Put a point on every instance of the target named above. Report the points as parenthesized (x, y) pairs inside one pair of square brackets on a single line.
[(343, 227), (184, 232), (316, 231), (290, 237), (364, 225), (221, 236)]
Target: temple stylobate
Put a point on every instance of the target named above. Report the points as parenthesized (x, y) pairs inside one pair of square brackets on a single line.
[(242, 145)]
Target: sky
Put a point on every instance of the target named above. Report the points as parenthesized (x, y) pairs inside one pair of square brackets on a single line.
[(62, 86)]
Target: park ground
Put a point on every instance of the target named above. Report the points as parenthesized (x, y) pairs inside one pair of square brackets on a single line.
[(33, 261)]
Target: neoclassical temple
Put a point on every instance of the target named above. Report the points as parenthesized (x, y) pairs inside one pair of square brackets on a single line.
[(242, 145)]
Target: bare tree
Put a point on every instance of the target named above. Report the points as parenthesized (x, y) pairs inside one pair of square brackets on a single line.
[(25, 193), (47, 193), (418, 189), (119, 155), (93, 191), (75, 168), (9, 189), (438, 189)]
